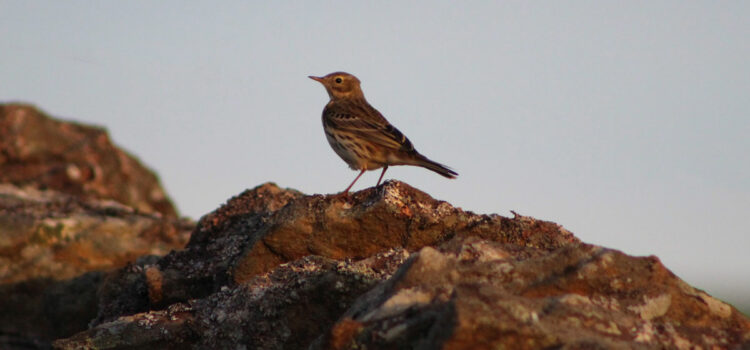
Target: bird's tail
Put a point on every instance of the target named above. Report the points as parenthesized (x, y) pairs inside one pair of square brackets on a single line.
[(435, 166)]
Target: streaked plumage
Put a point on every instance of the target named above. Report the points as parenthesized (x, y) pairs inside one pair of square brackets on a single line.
[(361, 136)]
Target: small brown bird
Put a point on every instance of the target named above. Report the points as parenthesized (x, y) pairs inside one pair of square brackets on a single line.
[(361, 136)]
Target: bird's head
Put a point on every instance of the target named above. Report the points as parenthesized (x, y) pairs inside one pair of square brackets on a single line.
[(340, 85)]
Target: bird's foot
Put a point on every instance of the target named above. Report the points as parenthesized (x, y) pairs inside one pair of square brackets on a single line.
[(343, 195)]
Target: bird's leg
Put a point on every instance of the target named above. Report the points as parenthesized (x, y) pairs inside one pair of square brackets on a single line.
[(355, 180), (381, 175)]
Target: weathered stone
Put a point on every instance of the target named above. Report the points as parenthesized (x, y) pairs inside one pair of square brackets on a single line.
[(39, 151), (164, 329), (267, 226), (376, 219), (54, 251), (476, 294), (84, 229), (285, 309), (203, 267)]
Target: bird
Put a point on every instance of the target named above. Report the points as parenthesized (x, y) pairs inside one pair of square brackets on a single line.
[(361, 136)]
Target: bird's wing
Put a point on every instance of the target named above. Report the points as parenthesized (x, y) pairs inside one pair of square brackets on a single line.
[(369, 124)]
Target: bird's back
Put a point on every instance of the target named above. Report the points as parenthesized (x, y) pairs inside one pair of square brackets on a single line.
[(359, 117)]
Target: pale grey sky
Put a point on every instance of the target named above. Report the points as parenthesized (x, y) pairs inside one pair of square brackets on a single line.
[(626, 122)]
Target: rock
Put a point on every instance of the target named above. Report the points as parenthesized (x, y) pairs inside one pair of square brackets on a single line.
[(477, 294), (267, 226), (47, 234), (72, 208), (394, 215), (38, 151), (284, 309), (55, 249), (84, 229), (392, 268), (203, 266)]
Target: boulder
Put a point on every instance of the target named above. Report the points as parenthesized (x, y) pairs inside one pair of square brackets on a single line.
[(73, 208), (45, 153), (477, 294), (267, 226), (392, 268), (56, 250)]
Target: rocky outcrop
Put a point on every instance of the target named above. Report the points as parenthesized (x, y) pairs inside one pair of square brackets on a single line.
[(263, 228), (87, 257), (55, 250), (392, 268), (39, 151), (73, 208), (477, 294), (284, 309)]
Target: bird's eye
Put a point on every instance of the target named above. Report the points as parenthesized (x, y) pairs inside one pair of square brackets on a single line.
[(338, 80)]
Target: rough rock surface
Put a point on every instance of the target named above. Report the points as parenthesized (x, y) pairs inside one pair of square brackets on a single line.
[(55, 249), (478, 294), (267, 226), (39, 151), (392, 268), (285, 309), (72, 208)]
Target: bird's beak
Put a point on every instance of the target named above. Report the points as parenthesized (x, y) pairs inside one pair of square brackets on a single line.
[(318, 79)]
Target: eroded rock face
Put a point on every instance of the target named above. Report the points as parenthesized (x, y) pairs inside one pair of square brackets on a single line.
[(55, 250), (392, 268), (393, 215), (48, 234), (39, 151), (72, 208), (284, 309), (477, 294), (203, 267), (267, 226)]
